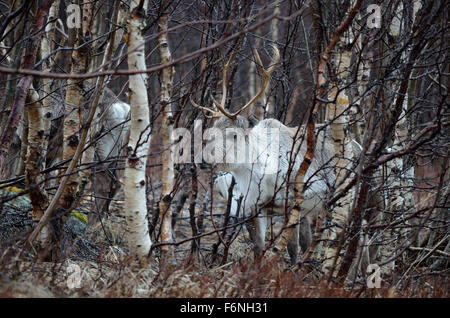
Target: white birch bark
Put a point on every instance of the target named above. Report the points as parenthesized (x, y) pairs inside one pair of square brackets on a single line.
[(166, 134), (34, 162), (134, 177), (257, 108), (20, 169), (46, 49), (396, 198), (73, 108), (32, 137), (262, 105), (338, 117), (268, 104), (310, 139), (88, 154)]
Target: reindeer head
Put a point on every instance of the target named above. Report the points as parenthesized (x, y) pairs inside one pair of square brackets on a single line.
[(229, 124)]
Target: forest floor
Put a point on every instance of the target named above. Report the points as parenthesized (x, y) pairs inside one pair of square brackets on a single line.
[(99, 265)]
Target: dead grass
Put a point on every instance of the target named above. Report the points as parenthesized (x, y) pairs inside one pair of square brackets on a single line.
[(118, 276), (105, 270)]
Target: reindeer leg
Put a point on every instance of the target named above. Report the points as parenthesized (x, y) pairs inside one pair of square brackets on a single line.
[(250, 226), (102, 190), (260, 223), (293, 245), (305, 236)]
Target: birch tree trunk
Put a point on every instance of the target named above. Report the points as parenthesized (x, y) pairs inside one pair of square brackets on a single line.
[(100, 62), (33, 147), (381, 124), (257, 108), (20, 169), (268, 104), (39, 116), (74, 103), (396, 199), (166, 134), (262, 107), (46, 49), (251, 87), (19, 27), (35, 162), (338, 119), (24, 84), (134, 177), (57, 202), (310, 135)]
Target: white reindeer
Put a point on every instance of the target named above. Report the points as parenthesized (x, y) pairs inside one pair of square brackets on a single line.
[(110, 129), (269, 191)]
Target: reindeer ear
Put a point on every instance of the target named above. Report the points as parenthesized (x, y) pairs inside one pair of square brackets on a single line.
[(252, 120)]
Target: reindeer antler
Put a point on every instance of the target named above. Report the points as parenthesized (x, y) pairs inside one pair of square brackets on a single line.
[(265, 80), (215, 114), (221, 106)]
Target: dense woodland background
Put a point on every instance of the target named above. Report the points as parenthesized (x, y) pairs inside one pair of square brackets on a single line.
[(64, 201)]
